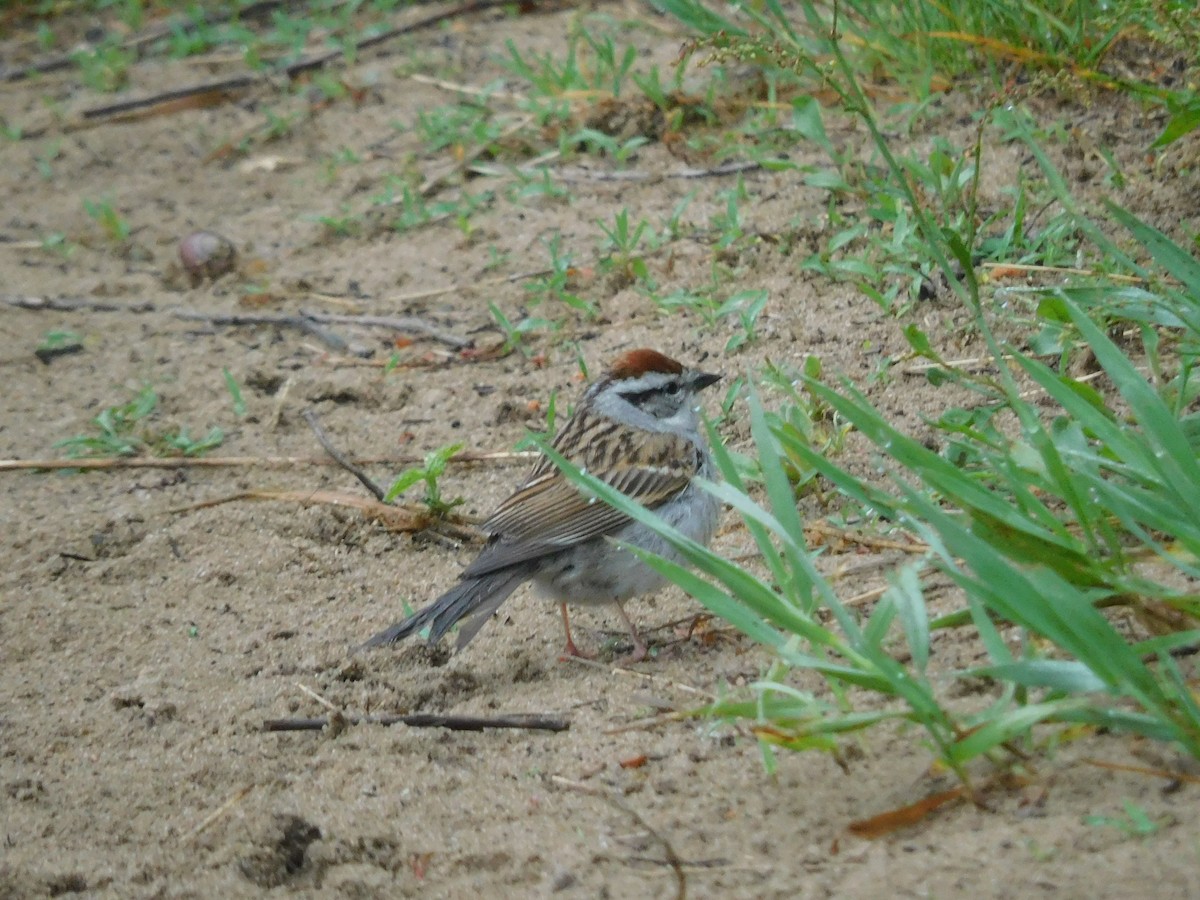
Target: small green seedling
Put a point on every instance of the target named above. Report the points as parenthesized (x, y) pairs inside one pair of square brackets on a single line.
[(430, 473), (43, 159), (346, 225), (106, 68), (556, 285), (625, 245), (745, 307), (516, 332), (58, 343), (114, 226), (1135, 823), (122, 431), (235, 393), (183, 445), (115, 427)]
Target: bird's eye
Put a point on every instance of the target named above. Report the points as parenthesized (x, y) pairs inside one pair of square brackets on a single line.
[(672, 387)]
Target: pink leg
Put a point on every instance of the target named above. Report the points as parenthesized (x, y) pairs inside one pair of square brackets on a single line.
[(570, 649), (639, 646)]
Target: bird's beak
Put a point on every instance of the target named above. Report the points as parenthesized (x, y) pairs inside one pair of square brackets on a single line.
[(701, 380)]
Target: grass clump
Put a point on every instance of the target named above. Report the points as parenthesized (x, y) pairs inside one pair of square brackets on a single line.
[(1050, 498), (125, 429)]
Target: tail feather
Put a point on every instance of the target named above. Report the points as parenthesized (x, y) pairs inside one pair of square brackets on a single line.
[(474, 597)]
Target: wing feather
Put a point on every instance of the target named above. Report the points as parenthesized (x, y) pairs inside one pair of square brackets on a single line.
[(548, 513)]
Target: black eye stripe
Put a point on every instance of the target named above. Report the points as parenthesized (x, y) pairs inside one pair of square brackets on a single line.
[(641, 398), (638, 398)]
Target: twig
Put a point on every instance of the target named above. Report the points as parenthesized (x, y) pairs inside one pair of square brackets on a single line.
[(301, 322), (325, 703), (645, 676), (673, 859), (218, 462), (967, 364), (717, 862), (222, 89), (464, 88), (73, 304), (1167, 774), (305, 321), (858, 568), (522, 721), (866, 596), (1002, 269), (219, 811), (734, 168), (581, 174), (1083, 379), (323, 439), (865, 540), (646, 724), (332, 340), (471, 286), (426, 293), (399, 323)]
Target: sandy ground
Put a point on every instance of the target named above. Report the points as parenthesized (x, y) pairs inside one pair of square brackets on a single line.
[(144, 639)]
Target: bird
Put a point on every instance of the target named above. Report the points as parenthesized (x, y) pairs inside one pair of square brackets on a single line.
[(637, 429)]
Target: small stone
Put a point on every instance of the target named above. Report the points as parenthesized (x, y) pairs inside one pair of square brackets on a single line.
[(563, 879), (206, 254)]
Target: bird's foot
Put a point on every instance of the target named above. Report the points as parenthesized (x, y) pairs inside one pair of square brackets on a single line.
[(640, 650), (570, 650)]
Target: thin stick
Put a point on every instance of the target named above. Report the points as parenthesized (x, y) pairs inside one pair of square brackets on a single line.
[(473, 286), (220, 811), (305, 321), (520, 721), (865, 540), (673, 859), (325, 703), (1168, 774), (323, 439), (464, 88), (579, 173), (226, 87), (645, 676), (427, 293), (332, 340), (867, 596), (219, 462), (651, 722), (399, 323), (1000, 268), (967, 364), (73, 304)]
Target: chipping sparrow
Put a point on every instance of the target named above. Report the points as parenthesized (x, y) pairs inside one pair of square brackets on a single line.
[(637, 429)]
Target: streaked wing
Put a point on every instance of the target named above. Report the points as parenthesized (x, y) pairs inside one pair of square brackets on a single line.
[(548, 512)]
